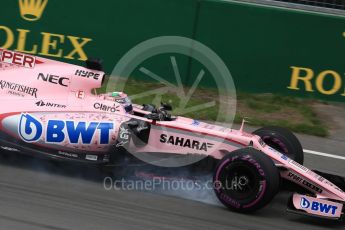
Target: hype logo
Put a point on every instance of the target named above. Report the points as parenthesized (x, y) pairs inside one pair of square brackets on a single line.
[(30, 129)]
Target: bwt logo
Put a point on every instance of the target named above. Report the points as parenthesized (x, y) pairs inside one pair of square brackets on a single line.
[(30, 129), (57, 131), (318, 206)]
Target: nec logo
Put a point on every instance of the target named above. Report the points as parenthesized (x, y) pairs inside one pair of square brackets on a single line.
[(63, 81), (31, 129), (318, 206)]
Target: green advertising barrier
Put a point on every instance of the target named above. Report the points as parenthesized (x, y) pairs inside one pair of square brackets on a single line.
[(266, 49), (71, 31), (276, 50)]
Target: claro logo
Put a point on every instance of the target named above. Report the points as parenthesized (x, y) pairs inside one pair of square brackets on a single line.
[(327, 82)]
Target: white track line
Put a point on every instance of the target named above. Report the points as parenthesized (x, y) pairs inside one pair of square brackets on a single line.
[(324, 154)]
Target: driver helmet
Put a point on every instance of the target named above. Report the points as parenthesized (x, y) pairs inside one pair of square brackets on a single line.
[(124, 100)]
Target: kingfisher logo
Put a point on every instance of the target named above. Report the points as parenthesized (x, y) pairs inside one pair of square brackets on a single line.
[(30, 129), (58, 131), (318, 206)]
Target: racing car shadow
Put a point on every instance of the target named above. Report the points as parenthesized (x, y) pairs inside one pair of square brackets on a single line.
[(163, 180), (317, 222), (92, 172), (68, 169), (274, 211)]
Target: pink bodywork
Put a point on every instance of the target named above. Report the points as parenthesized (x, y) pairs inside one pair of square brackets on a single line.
[(76, 100), (318, 207)]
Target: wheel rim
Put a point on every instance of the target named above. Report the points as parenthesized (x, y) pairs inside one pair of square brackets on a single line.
[(241, 182), (278, 145)]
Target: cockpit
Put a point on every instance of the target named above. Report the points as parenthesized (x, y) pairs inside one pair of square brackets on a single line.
[(148, 111), (120, 98)]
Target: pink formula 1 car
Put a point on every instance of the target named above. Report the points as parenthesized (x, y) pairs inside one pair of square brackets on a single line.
[(50, 109)]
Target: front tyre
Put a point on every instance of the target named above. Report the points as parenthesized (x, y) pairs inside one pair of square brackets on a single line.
[(283, 141), (246, 180)]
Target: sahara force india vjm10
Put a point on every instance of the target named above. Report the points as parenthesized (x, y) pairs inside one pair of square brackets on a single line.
[(51, 109)]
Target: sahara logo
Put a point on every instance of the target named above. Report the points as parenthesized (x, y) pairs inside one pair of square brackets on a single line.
[(318, 206), (31, 10), (185, 142), (57, 131)]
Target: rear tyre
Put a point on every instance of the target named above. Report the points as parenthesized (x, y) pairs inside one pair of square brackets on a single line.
[(246, 180), (283, 141)]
